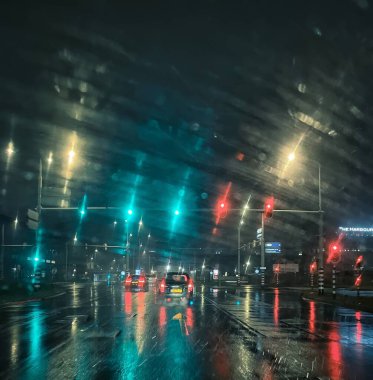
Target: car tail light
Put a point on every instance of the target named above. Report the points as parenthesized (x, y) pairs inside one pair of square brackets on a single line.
[(190, 286), (128, 280), (141, 281), (162, 287)]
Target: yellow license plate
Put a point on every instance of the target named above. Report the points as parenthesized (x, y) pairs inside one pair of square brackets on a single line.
[(135, 282), (176, 291)]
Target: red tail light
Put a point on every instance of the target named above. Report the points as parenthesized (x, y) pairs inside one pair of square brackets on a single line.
[(190, 286), (163, 285), (128, 280), (141, 281)]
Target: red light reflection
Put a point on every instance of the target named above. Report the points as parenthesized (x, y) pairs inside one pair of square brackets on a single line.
[(128, 302), (359, 327), (162, 316), (334, 353), (276, 307), (312, 317)]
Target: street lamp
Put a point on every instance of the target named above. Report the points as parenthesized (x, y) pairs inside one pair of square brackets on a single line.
[(245, 209), (50, 159), (10, 150), (291, 157)]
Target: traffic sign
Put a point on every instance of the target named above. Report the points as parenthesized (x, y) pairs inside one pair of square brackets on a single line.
[(258, 233), (273, 247)]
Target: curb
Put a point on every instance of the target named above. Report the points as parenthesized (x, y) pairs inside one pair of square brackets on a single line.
[(30, 300)]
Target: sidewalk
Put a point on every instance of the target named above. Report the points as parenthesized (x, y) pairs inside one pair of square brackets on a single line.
[(362, 303)]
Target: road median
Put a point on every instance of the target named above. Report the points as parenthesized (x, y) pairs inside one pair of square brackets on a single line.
[(16, 293)]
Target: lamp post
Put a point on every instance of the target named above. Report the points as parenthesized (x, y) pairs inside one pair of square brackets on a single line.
[(246, 207), (291, 157)]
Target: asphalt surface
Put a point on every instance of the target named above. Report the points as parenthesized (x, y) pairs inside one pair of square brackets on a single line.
[(102, 332)]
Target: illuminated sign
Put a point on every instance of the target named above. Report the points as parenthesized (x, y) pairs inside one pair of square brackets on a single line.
[(273, 247), (357, 231)]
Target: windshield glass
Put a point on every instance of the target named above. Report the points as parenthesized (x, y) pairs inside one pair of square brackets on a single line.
[(185, 189)]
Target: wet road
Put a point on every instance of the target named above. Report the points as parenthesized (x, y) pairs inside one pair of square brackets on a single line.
[(102, 332)]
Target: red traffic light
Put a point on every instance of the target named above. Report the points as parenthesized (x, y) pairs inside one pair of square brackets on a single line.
[(334, 251), (268, 207), (313, 267), (359, 261), (358, 280)]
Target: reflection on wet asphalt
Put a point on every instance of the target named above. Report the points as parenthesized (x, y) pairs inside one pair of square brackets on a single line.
[(102, 332)]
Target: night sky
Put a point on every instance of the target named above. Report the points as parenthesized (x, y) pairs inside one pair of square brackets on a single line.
[(168, 105)]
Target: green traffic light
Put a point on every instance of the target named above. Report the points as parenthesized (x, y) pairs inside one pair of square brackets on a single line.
[(177, 212), (130, 212)]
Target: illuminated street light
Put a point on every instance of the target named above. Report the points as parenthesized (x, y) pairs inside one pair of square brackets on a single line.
[(15, 222), (130, 212), (10, 150), (115, 223), (140, 223), (75, 238), (50, 158), (149, 236), (168, 267), (241, 222), (177, 212), (71, 156), (291, 156)]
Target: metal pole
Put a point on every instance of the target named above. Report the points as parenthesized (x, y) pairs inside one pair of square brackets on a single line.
[(262, 258), (321, 240), (2, 250), (239, 256), (128, 251), (333, 282), (66, 255), (40, 186)]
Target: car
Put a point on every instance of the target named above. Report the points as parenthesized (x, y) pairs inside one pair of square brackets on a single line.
[(176, 285), (136, 282)]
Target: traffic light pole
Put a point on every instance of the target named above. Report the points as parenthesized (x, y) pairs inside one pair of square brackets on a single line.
[(262, 257), (239, 255), (333, 282), (321, 240)]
